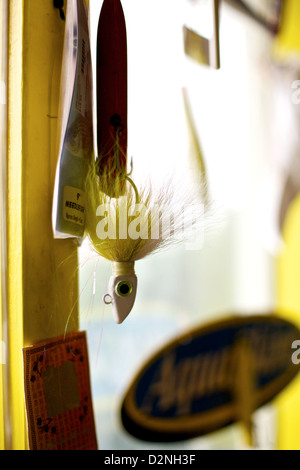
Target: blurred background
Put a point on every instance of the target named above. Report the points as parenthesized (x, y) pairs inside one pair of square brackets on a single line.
[(246, 121)]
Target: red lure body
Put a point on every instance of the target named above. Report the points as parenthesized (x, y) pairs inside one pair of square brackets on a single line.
[(111, 92)]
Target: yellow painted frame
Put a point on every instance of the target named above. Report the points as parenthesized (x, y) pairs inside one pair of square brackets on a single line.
[(3, 119), (288, 275), (287, 44), (42, 284)]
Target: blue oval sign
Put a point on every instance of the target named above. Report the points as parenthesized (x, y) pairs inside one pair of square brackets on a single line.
[(210, 377)]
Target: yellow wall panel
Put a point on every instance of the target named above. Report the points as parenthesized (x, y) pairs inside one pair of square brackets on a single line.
[(42, 272), (288, 39), (49, 266), (3, 68), (289, 305)]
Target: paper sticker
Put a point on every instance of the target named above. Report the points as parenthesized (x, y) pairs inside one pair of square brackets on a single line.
[(58, 396), (73, 210)]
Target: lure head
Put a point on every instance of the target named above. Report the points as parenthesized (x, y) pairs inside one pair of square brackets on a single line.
[(121, 293)]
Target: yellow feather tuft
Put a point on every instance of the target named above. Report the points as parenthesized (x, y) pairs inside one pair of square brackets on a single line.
[(137, 222), (117, 246)]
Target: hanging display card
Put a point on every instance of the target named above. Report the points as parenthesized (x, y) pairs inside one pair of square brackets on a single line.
[(58, 395)]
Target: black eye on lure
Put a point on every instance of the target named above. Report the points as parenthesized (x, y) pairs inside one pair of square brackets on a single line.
[(123, 288)]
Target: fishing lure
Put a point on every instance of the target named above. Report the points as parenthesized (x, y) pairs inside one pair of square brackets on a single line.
[(126, 223)]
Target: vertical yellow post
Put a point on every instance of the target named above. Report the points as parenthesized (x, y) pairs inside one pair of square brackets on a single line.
[(42, 272), (14, 229), (3, 117)]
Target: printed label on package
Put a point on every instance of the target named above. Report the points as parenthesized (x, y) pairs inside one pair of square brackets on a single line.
[(73, 210)]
